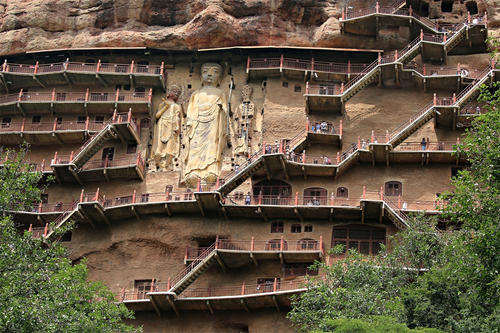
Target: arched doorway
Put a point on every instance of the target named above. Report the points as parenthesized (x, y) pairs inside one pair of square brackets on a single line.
[(315, 196), (272, 192)]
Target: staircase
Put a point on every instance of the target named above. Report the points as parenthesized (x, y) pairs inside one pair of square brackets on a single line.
[(472, 90), (194, 270), (403, 131), (93, 145), (397, 216), (456, 37), (360, 81)]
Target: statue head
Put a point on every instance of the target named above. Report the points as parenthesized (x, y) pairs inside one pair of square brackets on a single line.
[(211, 74), (173, 92), (246, 93)]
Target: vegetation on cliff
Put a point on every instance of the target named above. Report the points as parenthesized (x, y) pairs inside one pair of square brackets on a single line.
[(40, 289), (444, 280)]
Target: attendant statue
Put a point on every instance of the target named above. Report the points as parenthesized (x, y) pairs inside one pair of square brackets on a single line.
[(206, 131), (166, 142), (244, 118)]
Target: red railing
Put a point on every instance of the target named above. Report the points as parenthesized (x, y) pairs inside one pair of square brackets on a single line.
[(326, 90), (124, 161), (264, 63), (432, 146), (404, 125)]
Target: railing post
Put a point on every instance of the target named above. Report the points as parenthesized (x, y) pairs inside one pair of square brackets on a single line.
[(342, 88), (454, 98), (275, 285), (424, 69), (133, 196), (71, 156), (282, 244), (169, 283), (43, 165), (217, 242), (81, 195), (4, 66), (435, 99), (65, 64), (55, 125), (96, 195), (364, 191), (377, 7), (386, 136), (87, 95), (152, 285), (98, 69), (129, 115), (46, 230), (260, 198), (410, 11), (458, 140), (307, 124), (186, 254), (281, 63), (150, 95), (399, 201), (421, 34), (458, 69), (55, 158), (252, 244), (348, 67), (198, 186), (296, 198), (30, 229), (243, 288), (114, 115), (307, 88), (359, 142), (87, 121), (340, 127), (321, 244), (372, 137), (338, 158), (22, 125), (53, 97), (312, 64), (20, 95), (167, 195), (381, 193), (379, 58), (486, 19), (343, 14), (40, 207), (162, 68), (444, 38), (117, 95), (396, 55), (248, 64), (132, 67), (468, 17), (36, 68), (332, 199), (304, 156)]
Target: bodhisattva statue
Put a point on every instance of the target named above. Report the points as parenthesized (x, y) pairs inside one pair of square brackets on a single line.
[(166, 142), (206, 132), (244, 117)]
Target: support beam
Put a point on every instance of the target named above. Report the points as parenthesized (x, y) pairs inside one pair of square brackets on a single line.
[(137, 216), (303, 168), (102, 214), (362, 211), (167, 209), (261, 212), (283, 165), (381, 216), (209, 306), (155, 306), (244, 305), (75, 174), (172, 304), (254, 260), (297, 212), (224, 212), (331, 215), (58, 139), (85, 217), (275, 301), (266, 167), (101, 79), (220, 262), (105, 174), (200, 206)]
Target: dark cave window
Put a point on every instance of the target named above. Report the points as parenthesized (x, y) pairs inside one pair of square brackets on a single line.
[(472, 7), (284, 84), (447, 6)]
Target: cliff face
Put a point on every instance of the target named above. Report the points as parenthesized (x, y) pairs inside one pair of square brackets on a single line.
[(177, 24)]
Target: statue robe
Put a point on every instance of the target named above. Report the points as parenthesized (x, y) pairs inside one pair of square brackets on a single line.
[(166, 137), (206, 132)]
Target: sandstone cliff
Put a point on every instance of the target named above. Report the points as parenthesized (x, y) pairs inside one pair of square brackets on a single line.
[(178, 24)]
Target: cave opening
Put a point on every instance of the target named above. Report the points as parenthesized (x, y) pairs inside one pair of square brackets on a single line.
[(447, 6), (424, 9), (471, 7)]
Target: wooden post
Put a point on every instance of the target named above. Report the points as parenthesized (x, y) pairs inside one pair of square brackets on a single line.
[(81, 195), (296, 198), (372, 138), (55, 158), (186, 254), (71, 156), (248, 64), (396, 55), (96, 195), (30, 229), (423, 67), (132, 67), (152, 285), (338, 158), (129, 115), (379, 58), (53, 97), (150, 95), (167, 195), (421, 34), (348, 67), (216, 242), (36, 68), (252, 244), (20, 95), (87, 121), (321, 244), (22, 125), (454, 98), (46, 230), (435, 99), (260, 198), (87, 95), (43, 165), (399, 201), (307, 88), (4, 66), (410, 11), (114, 115), (386, 136), (340, 130), (281, 63), (332, 199), (282, 243), (304, 156), (359, 142), (343, 14), (243, 288), (486, 19), (117, 95), (468, 17), (342, 88), (55, 125), (40, 207), (198, 186), (169, 283), (444, 38), (312, 64), (377, 7), (307, 124), (364, 191), (98, 69), (275, 285), (133, 196), (381, 193)]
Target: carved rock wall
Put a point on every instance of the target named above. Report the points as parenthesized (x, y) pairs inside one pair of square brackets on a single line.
[(47, 24)]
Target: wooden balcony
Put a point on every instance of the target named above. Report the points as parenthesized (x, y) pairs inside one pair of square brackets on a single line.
[(17, 76), (74, 102)]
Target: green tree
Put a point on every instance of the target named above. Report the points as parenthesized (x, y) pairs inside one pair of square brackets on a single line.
[(40, 289)]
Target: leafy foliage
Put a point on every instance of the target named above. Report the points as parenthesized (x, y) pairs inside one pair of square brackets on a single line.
[(444, 280), (375, 324), (40, 289)]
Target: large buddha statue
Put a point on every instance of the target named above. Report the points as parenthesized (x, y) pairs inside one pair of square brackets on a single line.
[(166, 141), (206, 132)]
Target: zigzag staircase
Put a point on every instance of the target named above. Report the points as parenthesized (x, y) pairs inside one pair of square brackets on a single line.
[(411, 125), (197, 267), (93, 145), (473, 89)]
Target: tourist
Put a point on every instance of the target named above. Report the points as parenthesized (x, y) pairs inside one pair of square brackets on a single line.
[(423, 144), (276, 146), (313, 128), (478, 110), (248, 199), (324, 127), (441, 145)]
